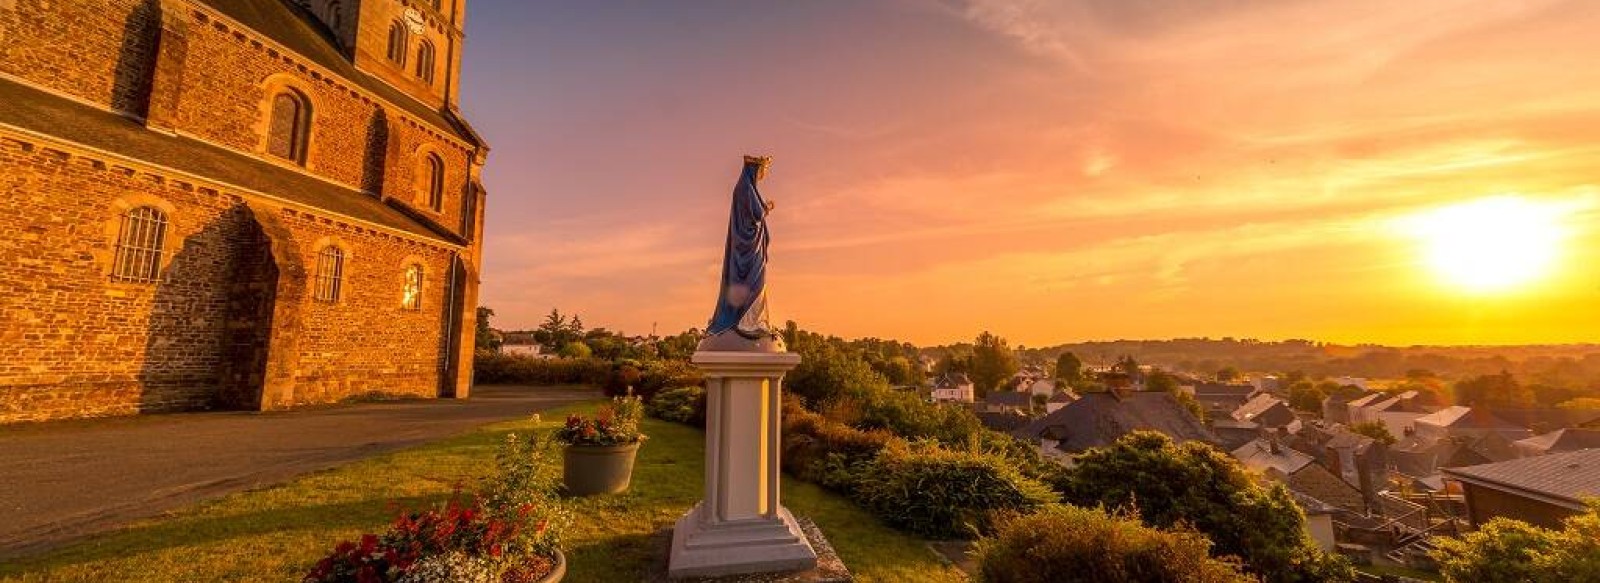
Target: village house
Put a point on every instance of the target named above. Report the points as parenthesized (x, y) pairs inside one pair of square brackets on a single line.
[(234, 204), (1300, 472), (1540, 490), (1099, 419), (1059, 400), (1268, 412), (953, 387), (1558, 441), (1007, 402)]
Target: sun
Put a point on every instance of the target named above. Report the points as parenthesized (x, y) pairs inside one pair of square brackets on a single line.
[(1491, 244)]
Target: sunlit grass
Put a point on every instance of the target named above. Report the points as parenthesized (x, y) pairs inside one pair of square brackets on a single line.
[(275, 534)]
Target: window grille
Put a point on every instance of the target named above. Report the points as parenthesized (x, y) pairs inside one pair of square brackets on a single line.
[(412, 296), (139, 245), (330, 274)]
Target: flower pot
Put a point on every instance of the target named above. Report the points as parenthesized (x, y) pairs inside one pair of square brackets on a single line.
[(556, 572), (598, 469)]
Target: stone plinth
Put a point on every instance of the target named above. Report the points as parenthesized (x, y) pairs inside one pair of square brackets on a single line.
[(741, 526)]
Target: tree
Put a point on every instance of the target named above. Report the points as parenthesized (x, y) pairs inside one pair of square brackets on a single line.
[(1069, 369), (1227, 374), (1160, 381), (1127, 365), (555, 332), (1305, 396), (1193, 483), (992, 363), (1512, 550), (1496, 390), (575, 349), (1376, 430), (483, 336)]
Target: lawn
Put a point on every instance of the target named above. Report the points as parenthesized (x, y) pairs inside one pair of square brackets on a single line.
[(275, 534)]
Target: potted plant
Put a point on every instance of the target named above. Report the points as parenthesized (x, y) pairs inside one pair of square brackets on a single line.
[(600, 450), (507, 533)]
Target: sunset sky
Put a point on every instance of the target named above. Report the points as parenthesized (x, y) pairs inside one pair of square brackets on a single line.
[(1416, 172)]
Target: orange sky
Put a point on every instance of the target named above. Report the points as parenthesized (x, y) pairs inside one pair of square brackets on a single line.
[(1048, 170)]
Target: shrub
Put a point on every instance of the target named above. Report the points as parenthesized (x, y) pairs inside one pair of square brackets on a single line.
[(940, 493), (810, 441), (647, 378), (494, 368), (1066, 544), (1512, 550), (685, 405), (1195, 484)]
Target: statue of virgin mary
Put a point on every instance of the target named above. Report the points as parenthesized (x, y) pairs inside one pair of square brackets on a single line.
[(740, 320)]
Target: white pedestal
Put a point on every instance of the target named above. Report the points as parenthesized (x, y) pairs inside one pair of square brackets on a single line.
[(741, 527)]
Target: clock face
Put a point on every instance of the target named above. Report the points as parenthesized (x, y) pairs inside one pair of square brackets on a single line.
[(414, 21)]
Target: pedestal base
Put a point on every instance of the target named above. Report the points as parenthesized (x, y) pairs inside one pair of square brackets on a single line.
[(702, 549)]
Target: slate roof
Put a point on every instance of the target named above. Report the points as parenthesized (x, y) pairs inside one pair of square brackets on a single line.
[(298, 31), (1560, 478), (1098, 419), (1258, 455), (30, 109), (952, 381), (1560, 440), (1009, 399), (1460, 417)]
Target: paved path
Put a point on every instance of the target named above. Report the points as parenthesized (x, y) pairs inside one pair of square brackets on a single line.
[(61, 481)]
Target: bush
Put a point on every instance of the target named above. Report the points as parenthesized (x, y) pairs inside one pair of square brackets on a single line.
[(1067, 544), (1512, 550), (940, 493), (495, 368), (1198, 485), (685, 405), (817, 450), (649, 377)]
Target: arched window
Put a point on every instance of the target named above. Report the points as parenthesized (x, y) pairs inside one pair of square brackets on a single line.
[(433, 172), (139, 245), (399, 39), (289, 127), (425, 61), (330, 274), (411, 296)]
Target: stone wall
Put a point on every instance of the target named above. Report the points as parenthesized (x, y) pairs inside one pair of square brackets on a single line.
[(78, 344)]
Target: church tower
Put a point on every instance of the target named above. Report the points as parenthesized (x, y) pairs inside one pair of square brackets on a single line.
[(413, 45)]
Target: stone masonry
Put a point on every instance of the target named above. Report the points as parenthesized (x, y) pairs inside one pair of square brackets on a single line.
[(112, 105)]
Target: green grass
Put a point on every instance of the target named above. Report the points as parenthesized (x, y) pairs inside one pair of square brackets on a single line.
[(275, 534)]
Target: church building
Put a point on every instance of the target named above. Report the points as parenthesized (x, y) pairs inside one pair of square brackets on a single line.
[(233, 204)]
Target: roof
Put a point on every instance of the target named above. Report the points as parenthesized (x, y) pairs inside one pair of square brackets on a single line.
[(297, 31), (1011, 398), (1224, 390), (1559, 478), (1364, 400), (1255, 407), (1263, 454), (952, 380), (1098, 419), (1063, 397), (1460, 417), (45, 113), (1560, 440)]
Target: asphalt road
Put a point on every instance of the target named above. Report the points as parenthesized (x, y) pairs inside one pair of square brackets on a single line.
[(65, 480)]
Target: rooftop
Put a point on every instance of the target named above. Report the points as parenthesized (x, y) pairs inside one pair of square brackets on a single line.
[(1559, 478), (1098, 419)]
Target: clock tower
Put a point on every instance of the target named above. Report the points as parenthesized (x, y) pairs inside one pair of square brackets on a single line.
[(413, 45)]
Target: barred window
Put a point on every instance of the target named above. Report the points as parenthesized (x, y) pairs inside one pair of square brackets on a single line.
[(139, 245), (330, 274), (398, 39), (425, 61), (290, 122), (411, 297), (433, 169)]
